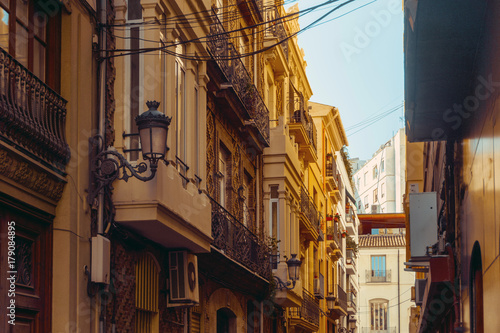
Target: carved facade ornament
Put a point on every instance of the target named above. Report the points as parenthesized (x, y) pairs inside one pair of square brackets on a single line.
[(110, 77), (210, 153), (30, 176), (24, 261), (279, 98)]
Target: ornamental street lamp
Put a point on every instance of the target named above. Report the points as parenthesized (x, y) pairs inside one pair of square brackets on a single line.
[(293, 265), (330, 301), (109, 165)]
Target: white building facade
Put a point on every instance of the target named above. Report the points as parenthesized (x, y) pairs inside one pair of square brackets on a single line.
[(385, 296), (380, 182)]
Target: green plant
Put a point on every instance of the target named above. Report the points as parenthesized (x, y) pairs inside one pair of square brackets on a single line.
[(351, 244), (345, 157), (272, 243), (330, 230)]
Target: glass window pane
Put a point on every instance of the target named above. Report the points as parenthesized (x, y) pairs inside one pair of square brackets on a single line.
[(21, 45), (40, 24), (39, 60), (4, 29), (22, 11)]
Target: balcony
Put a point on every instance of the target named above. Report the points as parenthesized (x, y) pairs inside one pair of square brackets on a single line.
[(319, 286), (351, 302), (301, 125), (237, 242), (331, 176), (350, 261), (333, 239), (256, 117), (165, 210), (371, 330), (378, 276), (275, 31), (336, 193), (32, 115), (340, 307), (310, 216), (306, 316)]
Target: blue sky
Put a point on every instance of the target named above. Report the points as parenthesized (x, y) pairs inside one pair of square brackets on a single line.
[(355, 62)]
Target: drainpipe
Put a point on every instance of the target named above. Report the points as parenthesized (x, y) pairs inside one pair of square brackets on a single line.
[(399, 300), (101, 129)]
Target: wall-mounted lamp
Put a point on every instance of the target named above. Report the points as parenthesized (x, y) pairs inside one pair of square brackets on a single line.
[(293, 265), (109, 165)]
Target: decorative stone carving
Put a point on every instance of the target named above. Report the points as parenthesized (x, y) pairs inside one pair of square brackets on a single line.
[(30, 176)]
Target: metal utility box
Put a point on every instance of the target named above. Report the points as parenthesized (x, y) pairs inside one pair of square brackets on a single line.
[(423, 223), (101, 254)]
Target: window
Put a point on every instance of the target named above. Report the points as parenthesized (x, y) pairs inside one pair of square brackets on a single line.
[(146, 294), (274, 219), (23, 30), (378, 314), (375, 172), (364, 178), (180, 103), (378, 271), (366, 202), (382, 165), (375, 195), (224, 158), (359, 205), (197, 119)]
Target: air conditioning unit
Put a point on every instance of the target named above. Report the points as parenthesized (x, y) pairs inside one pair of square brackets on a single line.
[(183, 279), (375, 209), (419, 291), (353, 317)]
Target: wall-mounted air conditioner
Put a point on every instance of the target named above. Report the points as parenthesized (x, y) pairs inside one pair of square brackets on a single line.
[(183, 279), (419, 291), (423, 223), (375, 209)]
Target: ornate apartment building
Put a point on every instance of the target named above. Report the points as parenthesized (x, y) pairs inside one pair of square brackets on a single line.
[(200, 235)]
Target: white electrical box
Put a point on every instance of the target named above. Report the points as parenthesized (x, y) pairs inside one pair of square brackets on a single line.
[(101, 254), (423, 223)]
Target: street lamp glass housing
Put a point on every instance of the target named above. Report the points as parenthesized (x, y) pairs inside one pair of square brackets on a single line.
[(293, 268), (153, 130), (330, 301)]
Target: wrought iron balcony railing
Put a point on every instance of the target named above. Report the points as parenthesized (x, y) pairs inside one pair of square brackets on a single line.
[(309, 311), (228, 60), (32, 115), (374, 330), (275, 28), (238, 242), (299, 115), (331, 169), (350, 257), (351, 299), (341, 298), (308, 208), (373, 276)]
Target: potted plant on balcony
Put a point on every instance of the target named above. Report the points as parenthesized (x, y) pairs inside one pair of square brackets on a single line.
[(343, 233), (350, 243), (336, 218), (330, 232), (329, 217)]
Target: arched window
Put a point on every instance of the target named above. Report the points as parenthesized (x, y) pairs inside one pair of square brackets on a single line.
[(226, 321), (476, 290), (378, 314), (147, 274)]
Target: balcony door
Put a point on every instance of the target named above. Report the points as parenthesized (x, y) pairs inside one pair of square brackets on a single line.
[(30, 32), (378, 268), (26, 250)]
